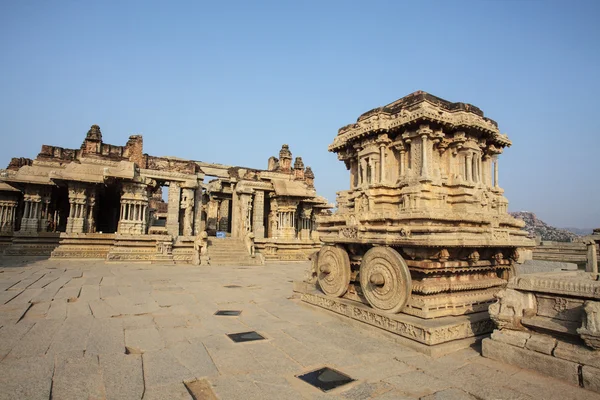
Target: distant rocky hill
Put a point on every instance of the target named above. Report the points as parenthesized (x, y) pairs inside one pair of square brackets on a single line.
[(537, 227), (580, 231)]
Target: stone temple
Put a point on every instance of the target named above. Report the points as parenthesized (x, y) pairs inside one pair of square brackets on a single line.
[(106, 201), (423, 229)]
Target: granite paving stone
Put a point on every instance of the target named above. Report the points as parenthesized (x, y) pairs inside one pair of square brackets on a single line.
[(26, 378), (69, 325), (78, 378), (122, 375), (139, 341)]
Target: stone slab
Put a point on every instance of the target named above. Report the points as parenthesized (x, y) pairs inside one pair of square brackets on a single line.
[(123, 376), (78, 378), (528, 359), (591, 378), (578, 354), (425, 331), (541, 343)]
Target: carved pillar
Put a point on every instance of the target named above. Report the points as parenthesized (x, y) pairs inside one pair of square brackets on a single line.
[(78, 201), (495, 172), (134, 209), (173, 209), (32, 198), (198, 224), (363, 172), (381, 163), (187, 205), (258, 225), (224, 215), (91, 210), (7, 215), (592, 257), (212, 211), (402, 162), (353, 173), (245, 224), (469, 167)]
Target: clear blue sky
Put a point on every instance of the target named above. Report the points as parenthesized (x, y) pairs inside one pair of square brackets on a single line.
[(230, 82)]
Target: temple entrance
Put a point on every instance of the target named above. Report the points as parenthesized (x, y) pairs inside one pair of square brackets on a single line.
[(59, 209), (109, 206)]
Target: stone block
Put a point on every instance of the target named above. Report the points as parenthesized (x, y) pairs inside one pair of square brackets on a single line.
[(162, 368), (577, 353), (591, 378), (449, 394), (139, 341), (78, 378), (123, 377), (418, 384), (515, 338), (541, 344), (535, 266), (528, 359)]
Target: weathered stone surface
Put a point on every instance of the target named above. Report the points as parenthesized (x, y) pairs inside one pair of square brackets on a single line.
[(200, 389), (516, 338), (540, 343), (449, 394), (37, 340), (72, 336), (418, 384), (162, 368), (525, 358), (106, 337), (26, 378), (78, 378), (195, 358), (577, 354), (123, 376), (139, 341), (591, 378)]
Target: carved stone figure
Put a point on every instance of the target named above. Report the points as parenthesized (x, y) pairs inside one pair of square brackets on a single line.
[(590, 330), (511, 306)]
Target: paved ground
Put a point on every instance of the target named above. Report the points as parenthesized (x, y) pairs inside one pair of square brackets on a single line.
[(77, 330)]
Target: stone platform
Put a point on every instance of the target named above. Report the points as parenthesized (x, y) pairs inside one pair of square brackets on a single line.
[(89, 329), (434, 337), (550, 322), (40, 244)]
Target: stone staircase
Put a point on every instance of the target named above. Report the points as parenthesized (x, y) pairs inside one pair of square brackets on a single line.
[(230, 251)]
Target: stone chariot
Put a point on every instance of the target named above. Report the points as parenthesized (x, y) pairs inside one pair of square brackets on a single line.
[(424, 228)]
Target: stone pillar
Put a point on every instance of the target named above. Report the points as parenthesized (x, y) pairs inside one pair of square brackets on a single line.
[(469, 167), (363, 172), (172, 224), (7, 216), (198, 223), (424, 162), (496, 172), (134, 209), (224, 212), (592, 257), (78, 200), (382, 163), (187, 205), (258, 224), (91, 211), (402, 162), (32, 197), (212, 211), (245, 224)]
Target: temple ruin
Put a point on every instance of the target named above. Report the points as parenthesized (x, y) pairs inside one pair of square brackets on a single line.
[(423, 230), (106, 201)]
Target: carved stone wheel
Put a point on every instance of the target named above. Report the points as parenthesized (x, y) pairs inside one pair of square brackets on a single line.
[(385, 279), (333, 270)]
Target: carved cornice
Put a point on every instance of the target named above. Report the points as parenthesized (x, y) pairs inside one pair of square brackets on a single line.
[(383, 122)]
